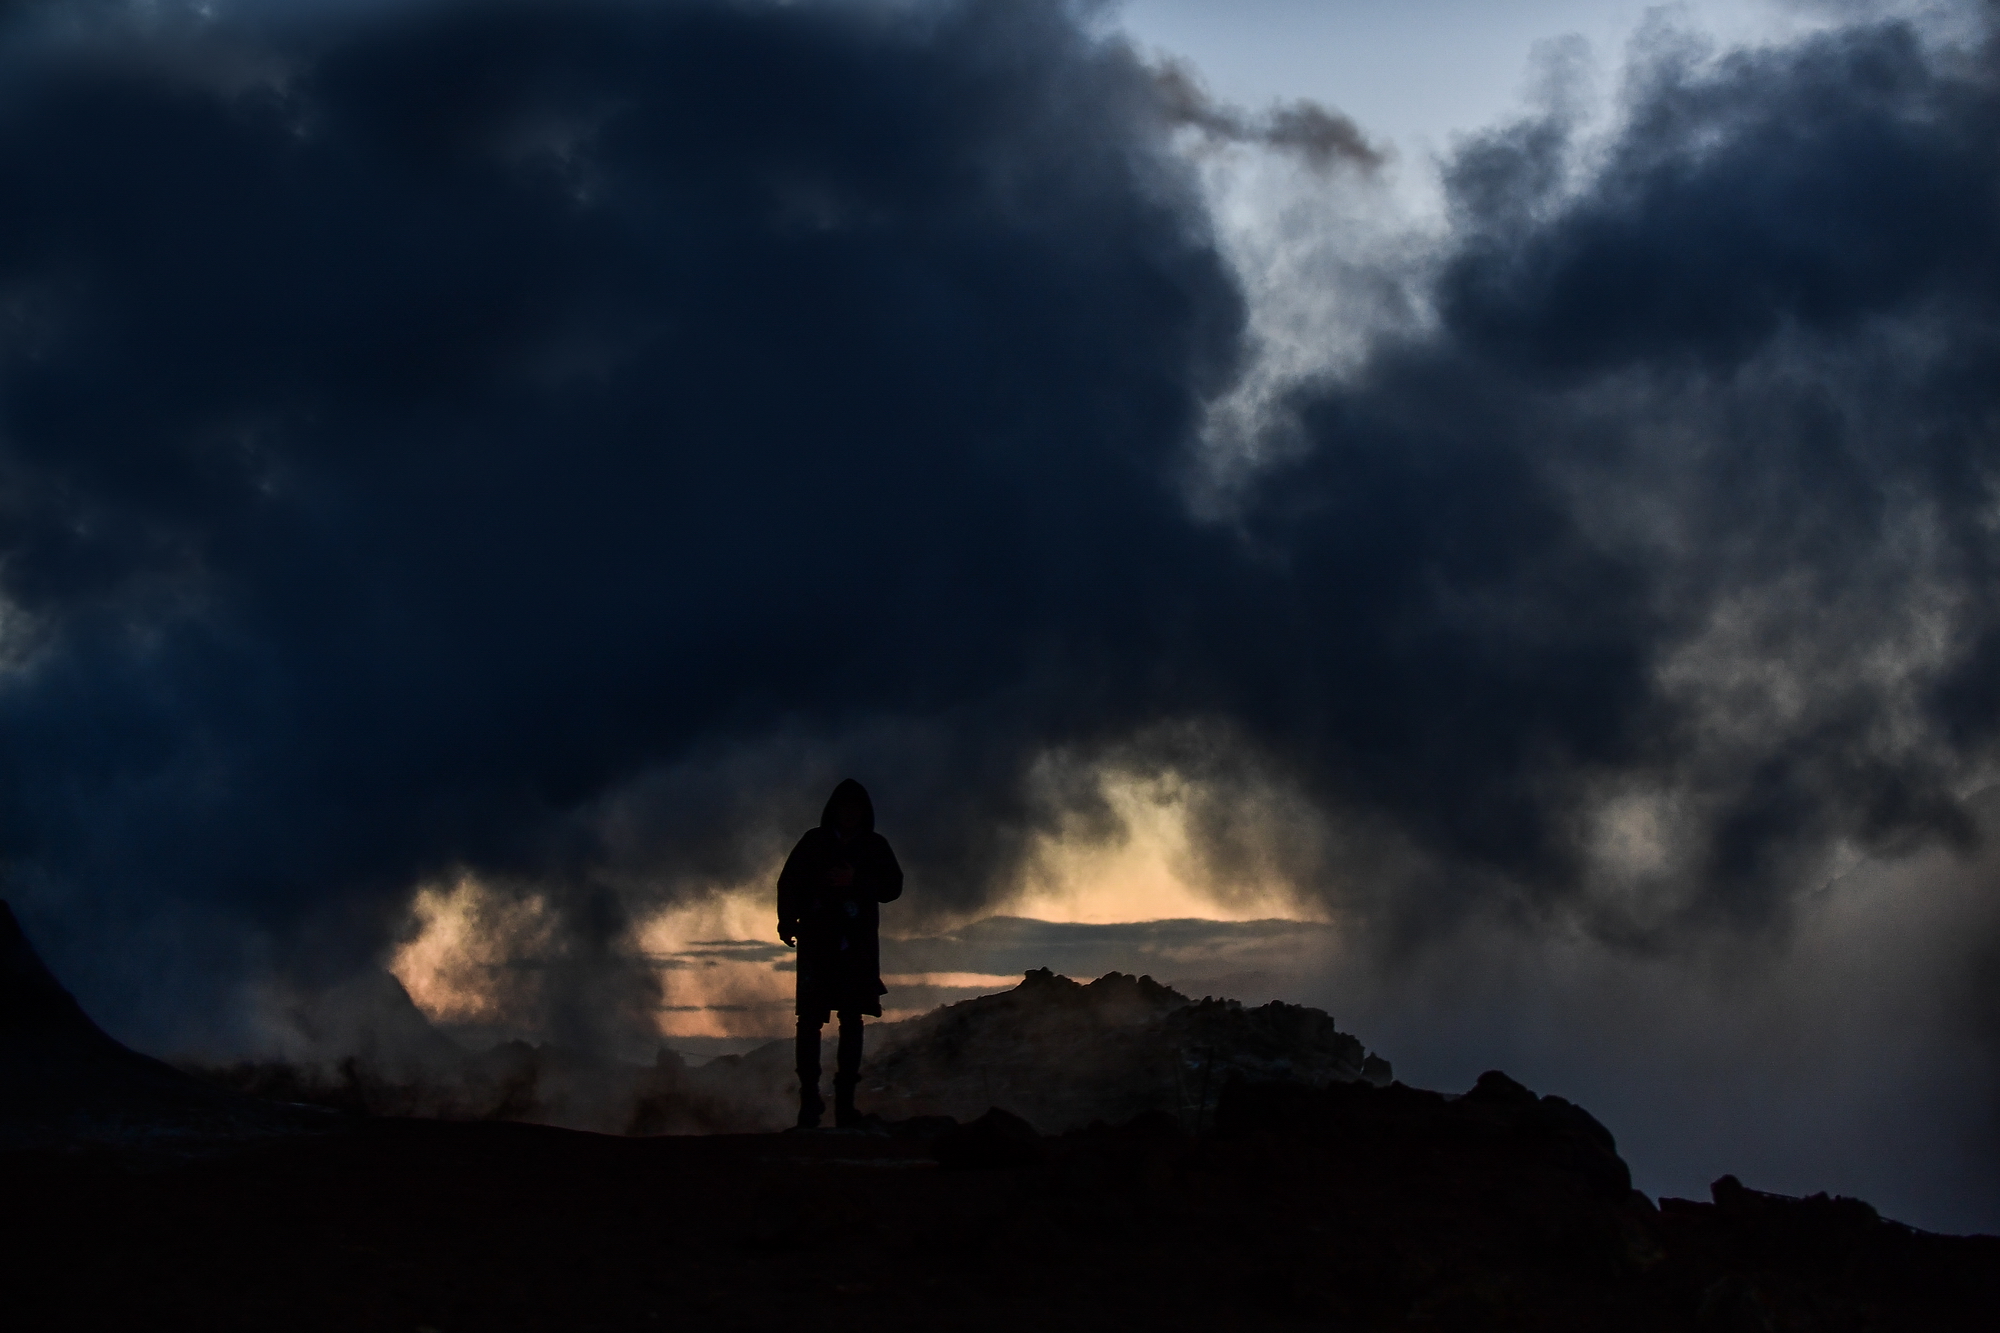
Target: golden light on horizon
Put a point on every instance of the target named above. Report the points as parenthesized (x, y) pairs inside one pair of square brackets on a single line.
[(1150, 875), (719, 961), (723, 973)]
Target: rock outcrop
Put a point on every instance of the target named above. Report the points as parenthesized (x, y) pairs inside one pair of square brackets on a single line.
[(1062, 1054)]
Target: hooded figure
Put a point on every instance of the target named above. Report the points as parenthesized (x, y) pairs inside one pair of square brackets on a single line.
[(828, 894)]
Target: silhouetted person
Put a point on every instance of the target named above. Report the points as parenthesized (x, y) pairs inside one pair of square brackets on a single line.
[(827, 898)]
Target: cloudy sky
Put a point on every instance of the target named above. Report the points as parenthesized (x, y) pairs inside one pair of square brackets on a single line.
[(1480, 517)]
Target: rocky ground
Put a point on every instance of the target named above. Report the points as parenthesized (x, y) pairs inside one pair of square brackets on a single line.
[(1301, 1197), (1344, 1208)]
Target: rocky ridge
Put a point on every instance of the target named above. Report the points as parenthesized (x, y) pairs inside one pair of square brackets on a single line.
[(1062, 1054)]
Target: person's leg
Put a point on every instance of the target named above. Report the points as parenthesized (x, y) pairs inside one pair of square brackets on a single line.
[(807, 1056), (847, 1072)]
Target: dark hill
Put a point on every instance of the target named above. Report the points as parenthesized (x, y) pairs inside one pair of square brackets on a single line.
[(67, 1081)]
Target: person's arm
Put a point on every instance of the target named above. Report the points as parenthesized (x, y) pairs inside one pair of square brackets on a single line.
[(885, 876), (792, 891)]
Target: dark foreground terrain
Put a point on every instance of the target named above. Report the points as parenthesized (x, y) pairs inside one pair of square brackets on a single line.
[(1349, 1207), (138, 1197)]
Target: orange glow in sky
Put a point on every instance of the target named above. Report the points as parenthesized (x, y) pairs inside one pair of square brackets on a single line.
[(723, 971)]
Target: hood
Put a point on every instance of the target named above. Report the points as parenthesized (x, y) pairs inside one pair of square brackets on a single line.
[(849, 790)]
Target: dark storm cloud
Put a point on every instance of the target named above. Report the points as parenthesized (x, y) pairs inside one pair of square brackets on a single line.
[(561, 440), (1718, 412), (504, 401)]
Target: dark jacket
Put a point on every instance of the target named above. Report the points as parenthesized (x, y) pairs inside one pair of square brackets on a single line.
[(840, 959)]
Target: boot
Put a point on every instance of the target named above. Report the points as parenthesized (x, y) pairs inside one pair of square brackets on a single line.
[(844, 1114), (810, 1105)]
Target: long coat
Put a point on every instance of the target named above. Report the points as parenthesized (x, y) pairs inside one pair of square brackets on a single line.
[(840, 957)]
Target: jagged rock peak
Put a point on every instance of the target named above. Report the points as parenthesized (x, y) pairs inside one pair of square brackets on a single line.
[(1138, 998)]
